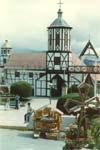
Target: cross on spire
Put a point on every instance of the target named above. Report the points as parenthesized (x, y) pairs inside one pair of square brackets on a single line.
[(60, 3)]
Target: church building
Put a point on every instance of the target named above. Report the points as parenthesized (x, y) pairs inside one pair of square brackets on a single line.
[(47, 72)]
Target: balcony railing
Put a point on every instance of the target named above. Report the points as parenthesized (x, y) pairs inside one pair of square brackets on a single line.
[(76, 69)]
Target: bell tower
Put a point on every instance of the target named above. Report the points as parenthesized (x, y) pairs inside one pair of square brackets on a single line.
[(59, 34), (59, 42), (5, 53)]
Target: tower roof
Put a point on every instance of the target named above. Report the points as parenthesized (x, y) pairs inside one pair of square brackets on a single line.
[(60, 22), (6, 45)]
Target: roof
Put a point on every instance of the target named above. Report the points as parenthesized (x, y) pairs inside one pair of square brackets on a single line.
[(59, 22), (27, 60), (6, 45), (88, 45), (33, 60), (75, 60), (96, 77)]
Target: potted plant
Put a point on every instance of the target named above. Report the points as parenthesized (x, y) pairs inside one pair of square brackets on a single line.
[(71, 140)]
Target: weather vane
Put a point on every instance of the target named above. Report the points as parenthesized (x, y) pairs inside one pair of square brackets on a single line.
[(60, 3)]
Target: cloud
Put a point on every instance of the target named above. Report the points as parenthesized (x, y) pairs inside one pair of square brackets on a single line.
[(25, 22)]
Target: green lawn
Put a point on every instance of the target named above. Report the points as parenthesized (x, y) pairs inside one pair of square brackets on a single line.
[(12, 101)]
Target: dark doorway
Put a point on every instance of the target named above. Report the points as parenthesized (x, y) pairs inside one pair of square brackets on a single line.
[(32, 91), (57, 89)]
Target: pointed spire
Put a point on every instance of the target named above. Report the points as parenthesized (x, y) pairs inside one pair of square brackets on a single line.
[(60, 11), (60, 3), (59, 21)]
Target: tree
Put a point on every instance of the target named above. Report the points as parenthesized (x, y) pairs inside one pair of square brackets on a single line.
[(21, 88)]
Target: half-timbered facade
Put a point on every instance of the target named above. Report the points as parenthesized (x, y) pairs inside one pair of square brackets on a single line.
[(57, 56), (28, 67)]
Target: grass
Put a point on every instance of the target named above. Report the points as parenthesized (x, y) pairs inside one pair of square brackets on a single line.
[(2, 101), (12, 101)]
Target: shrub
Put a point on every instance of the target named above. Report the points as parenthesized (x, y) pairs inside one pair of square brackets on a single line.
[(60, 104), (21, 88), (96, 132), (61, 101), (75, 97), (73, 89)]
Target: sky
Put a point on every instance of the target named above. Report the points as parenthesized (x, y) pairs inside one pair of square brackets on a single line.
[(24, 22)]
